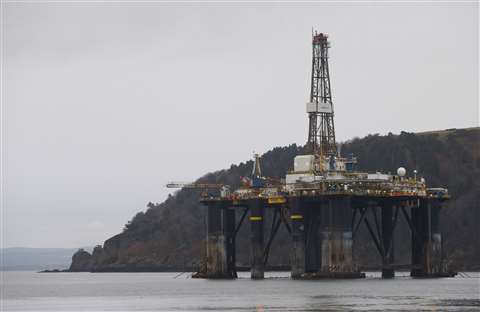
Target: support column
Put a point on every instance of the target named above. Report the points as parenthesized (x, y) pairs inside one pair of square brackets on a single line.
[(216, 266), (312, 239), (229, 229), (427, 240), (257, 246), (337, 258), (387, 240), (437, 261), (297, 253)]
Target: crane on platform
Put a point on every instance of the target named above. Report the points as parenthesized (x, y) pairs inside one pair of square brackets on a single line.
[(223, 188), (255, 180), (194, 185)]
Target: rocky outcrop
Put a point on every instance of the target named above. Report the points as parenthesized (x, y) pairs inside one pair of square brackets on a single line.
[(82, 261)]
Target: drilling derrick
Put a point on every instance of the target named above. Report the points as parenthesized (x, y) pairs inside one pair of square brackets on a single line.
[(321, 134)]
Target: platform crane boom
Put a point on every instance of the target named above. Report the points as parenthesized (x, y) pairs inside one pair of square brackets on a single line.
[(193, 185)]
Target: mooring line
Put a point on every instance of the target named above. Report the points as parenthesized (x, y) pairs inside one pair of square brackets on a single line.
[(179, 274)]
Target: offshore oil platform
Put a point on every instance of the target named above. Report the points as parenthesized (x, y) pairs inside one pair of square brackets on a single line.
[(322, 203)]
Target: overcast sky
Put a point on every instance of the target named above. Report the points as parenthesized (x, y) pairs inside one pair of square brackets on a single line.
[(103, 103)]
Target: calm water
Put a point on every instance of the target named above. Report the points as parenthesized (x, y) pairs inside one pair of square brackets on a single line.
[(27, 291)]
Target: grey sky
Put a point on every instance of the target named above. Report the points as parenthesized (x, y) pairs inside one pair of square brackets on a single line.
[(105, 103)]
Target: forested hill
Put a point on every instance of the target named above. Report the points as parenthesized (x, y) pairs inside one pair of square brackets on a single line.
[(170, 235)]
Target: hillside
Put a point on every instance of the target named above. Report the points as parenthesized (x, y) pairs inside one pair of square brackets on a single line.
[(170, 235)]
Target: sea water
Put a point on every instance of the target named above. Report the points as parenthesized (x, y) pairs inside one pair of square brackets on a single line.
[(30, 291)]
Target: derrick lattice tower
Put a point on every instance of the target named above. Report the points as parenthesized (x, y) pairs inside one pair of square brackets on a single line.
[(321, 135)]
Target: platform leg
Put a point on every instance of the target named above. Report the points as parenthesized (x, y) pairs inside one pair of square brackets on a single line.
[(312, 239), (336, 227), (216, 266), (387, 240), (257, 239), (427, 240), (229, 229), (297, 253)]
